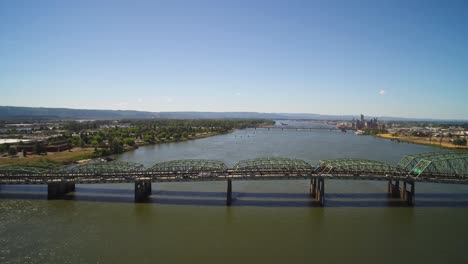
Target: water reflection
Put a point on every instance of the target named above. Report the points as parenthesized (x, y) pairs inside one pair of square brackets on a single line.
[(240, 199)]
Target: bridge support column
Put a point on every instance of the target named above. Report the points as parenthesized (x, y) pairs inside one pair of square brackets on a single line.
[(409, 195), (149, 187), (396, 192), (403, 193), (69, 187), (320, 191), (394, 188), (229, 192), (142, 190), (406, 195), (313, 187), (58, 189)]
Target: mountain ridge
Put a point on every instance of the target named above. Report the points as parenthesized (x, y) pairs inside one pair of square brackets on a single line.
[(20, 112)]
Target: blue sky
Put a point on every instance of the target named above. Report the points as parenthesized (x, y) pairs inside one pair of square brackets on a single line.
[(392, 58)]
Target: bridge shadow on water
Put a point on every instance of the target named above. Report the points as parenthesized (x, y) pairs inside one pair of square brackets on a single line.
[(258, 199)]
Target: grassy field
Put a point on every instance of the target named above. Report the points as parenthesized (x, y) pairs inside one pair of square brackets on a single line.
[(64, 157), (423, 141)]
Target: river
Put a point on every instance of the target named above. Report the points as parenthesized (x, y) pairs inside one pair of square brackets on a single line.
[(269, 222)]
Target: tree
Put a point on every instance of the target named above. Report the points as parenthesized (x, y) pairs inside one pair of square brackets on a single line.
[(82, 143), (39, 148), (98, 138), (3, 148), (12, 151), (130, 141), (460, 141), (148, 138), (94, 143), (176, 136), (117, 146)]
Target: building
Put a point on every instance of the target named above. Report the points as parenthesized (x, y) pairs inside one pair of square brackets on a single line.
[(362, 124)]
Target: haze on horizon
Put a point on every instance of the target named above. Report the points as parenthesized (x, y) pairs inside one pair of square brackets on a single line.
[(380, 58)]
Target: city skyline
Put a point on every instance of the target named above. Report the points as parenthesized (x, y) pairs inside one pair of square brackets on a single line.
[(391, 58)]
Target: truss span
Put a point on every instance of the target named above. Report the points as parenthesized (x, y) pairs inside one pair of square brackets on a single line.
[(27, 169), (409, 161), (189, 166), (444, 167), (358, 167), (100, 168), (452, 165), (273, 164)]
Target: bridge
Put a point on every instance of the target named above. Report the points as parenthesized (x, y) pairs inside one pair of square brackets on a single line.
[(299, 128), (449, 167)]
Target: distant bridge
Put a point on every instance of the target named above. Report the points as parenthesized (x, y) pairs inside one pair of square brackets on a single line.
[(298, 128), (439, 167)]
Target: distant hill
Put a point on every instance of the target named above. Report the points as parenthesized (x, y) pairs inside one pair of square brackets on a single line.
[(14, 112), (248, 115)]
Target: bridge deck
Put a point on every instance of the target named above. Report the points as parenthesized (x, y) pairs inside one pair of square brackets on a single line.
[(443, 167), (118, 178)]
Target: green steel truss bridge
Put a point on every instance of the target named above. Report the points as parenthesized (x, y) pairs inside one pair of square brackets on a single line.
[(440, 167)]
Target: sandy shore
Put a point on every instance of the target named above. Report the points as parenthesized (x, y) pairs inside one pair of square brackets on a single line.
[(423, 141)]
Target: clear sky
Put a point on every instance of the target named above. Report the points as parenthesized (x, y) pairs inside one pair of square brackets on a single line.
[(394, 58)]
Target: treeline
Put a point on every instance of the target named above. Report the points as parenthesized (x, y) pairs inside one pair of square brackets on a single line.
[(429, 124), (374, 131), (113, 137), (165, 123)]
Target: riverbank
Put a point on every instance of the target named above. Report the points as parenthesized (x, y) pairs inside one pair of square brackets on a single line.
[(435, 142), (78, 154), (64, 157)]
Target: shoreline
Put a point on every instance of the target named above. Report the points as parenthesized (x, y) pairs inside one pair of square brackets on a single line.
[(420, 141), (81, 154), (62, 158)]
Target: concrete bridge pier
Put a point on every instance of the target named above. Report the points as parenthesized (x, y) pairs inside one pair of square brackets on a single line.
[(142, 190), (229, 192), (317, 189), (313, 187), (69, 187), (408, 195), (321, 191), (394, 188), (58, 189), (405, 193), (149, 188)]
